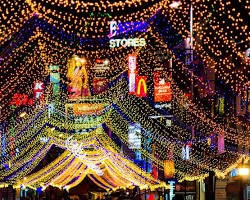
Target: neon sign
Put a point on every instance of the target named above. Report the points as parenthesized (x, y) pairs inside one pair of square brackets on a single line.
[(21, 99), (131, 73), (38, 89), (135, 42), (141, 86), (171, 191), (119, 28), (132, 63)]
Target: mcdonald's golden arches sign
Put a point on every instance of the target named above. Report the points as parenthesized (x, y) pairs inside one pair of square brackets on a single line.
[(141, 86)]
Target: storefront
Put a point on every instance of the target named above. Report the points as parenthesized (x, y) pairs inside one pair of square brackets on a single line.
[(185, 190)]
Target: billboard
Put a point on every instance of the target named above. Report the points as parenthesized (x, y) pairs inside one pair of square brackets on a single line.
[(162, 88), (99, 85), (134, 136), (141, 86), (87, 108), (101, 68), (55, 80), (78, 78), (119, 28)]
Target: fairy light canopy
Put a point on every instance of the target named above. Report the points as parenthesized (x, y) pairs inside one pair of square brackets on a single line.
[(35, 35)]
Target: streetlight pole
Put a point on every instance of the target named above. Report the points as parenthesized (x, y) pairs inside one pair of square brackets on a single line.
[(191, 32)]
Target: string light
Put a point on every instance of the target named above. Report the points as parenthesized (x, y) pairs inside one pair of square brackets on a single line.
[(51, 47)]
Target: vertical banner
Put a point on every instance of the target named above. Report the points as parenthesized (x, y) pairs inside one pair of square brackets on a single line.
[(18, 192), (134, 136), (132, 73), (39, 93), (148, 149), (141, 86), (55, 79), (188, 51), (221, 146), (12, 134), (162, 88)]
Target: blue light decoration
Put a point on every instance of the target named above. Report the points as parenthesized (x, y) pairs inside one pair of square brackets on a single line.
[(6, 166), (39, 190), (234, 172), (149, 150), (21, 191), (138, 155)]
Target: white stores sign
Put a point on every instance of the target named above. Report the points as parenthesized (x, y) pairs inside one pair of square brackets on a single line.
[(119, 28)]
